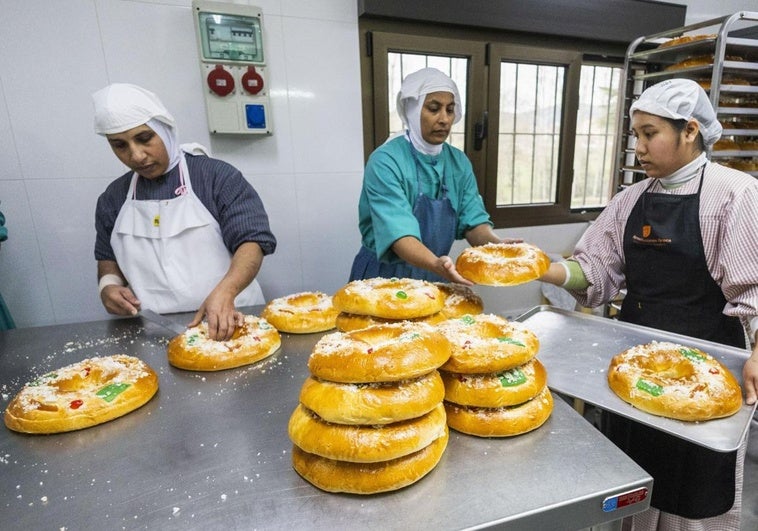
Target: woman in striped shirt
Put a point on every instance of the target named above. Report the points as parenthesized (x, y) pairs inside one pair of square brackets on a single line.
[(684, 244)]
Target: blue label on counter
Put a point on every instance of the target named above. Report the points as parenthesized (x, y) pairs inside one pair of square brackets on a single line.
[(624, 499)]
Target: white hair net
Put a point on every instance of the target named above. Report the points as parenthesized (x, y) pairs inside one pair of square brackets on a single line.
[(422, 82), (121, 106), (411, 97), (681, 99)]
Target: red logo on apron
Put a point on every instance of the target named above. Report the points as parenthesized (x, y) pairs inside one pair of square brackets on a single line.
[(646, 230)]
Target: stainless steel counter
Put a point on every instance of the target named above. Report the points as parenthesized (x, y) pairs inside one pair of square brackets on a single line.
[(211, 451)]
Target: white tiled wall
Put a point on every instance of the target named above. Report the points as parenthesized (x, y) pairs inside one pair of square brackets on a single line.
[(701, 10), (54, 54), (52, 166)]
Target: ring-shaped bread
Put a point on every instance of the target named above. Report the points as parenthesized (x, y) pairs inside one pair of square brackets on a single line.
[(700, 60), (372, 403), (347, 322), (389, 298), (379, 353), (255, 340), (459, 300), (502, 264), (507, 388), (686, 39), (307, 312), (674, 381), (706, 85), (81, 395), (501, 421), (368, 478), (487, 343), (364, 443)]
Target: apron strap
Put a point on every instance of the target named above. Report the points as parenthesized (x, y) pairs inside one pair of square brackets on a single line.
[(185, 184)]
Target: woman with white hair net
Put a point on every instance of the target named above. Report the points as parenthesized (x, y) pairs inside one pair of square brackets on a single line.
[(180, 231), (682, 243), (419, 193)]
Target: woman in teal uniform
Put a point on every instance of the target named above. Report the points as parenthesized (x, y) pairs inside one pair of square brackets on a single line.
[(419, 193), (6, 321)]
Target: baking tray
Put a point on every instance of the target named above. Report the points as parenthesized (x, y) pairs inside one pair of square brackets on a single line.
[(576, 349)]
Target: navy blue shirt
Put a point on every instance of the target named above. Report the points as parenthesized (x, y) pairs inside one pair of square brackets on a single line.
[(222, 189)]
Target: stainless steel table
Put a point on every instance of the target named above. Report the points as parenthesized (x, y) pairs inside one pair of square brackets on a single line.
[(211, 451)]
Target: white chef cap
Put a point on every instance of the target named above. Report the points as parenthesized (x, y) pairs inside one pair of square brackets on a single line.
[(422, 82), (121, 106), (681, 99)]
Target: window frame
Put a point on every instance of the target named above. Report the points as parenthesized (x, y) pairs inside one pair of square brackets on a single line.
[(534, 214)]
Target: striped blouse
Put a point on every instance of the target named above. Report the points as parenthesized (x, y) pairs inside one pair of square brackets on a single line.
[(729, 227)]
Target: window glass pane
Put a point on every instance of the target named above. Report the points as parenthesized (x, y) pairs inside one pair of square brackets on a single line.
[(595, 130), (507, 99), (400, 65), (531, 106)]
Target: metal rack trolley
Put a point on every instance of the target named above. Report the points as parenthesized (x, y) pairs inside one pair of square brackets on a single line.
[(733, 55)]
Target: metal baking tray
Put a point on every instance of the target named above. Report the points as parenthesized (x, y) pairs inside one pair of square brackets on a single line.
[(576, 349)]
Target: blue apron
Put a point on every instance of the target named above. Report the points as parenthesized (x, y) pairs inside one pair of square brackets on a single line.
[(437, 222), (661, 234)]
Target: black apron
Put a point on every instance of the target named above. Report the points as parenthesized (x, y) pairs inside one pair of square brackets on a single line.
[(437, 222), (669, 288)]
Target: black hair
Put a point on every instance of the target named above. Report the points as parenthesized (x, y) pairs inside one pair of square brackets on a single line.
[(680, 125)]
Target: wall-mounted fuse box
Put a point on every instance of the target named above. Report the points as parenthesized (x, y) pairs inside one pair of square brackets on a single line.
[(233, 67)]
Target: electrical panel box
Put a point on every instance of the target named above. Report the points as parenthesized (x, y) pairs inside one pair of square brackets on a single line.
[(233, 67)]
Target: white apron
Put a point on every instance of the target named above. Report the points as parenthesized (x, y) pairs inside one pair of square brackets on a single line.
[(171, 250)]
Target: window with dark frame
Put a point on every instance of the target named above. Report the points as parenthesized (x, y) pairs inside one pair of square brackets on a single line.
[(541, 100), (539, 120), (527, 136)]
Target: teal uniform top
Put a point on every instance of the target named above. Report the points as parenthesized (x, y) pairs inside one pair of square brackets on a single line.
[(390, 187), (6, 321)]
